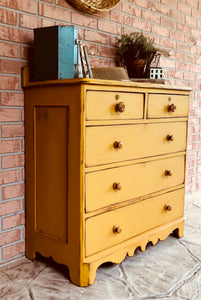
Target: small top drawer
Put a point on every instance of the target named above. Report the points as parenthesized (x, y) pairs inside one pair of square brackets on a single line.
[(106, 105), (167, 106)]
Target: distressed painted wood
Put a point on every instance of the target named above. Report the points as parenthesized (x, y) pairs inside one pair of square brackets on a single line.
[(151, 140), (132, 219), (159, 106), (102, 105), (73, 212), (101, 185)]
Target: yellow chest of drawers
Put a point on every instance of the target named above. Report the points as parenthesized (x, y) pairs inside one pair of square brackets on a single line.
[(105, 170)]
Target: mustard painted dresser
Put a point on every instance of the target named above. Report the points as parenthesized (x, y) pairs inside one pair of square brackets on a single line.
[(105, 169)]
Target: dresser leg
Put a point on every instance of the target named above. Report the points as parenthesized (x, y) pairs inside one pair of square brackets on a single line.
[(80, 276), (30, 254), (179, 232)]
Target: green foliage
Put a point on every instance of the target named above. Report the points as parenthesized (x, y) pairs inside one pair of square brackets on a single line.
[(135, 46)]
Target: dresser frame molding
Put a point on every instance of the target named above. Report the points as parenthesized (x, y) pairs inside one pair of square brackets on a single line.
[(56, 219)]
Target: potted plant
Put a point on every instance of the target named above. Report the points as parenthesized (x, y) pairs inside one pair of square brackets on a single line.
[(136, 52)]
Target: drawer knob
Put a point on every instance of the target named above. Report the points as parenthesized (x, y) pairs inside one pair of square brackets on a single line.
[(172, 107), (168, 173), (120, 107), (170, 137), (117, 229), (117, 186), (118, 145), (168, 207)]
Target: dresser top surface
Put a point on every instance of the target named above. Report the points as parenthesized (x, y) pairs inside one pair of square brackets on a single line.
[(100, 82), (26, 83)]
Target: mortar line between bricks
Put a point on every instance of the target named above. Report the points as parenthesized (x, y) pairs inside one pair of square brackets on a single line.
[(16, 257), (11, 199), (18, 18), (14, 228), (12, 169), (10, 9), (22, 234), (13, 244), (14, 43), (10, 74), (13, 59), (11, 215), (16, 27), (37, 16), (12, 122), (12, 184), (11, 154), (20, 168), (12, 138)]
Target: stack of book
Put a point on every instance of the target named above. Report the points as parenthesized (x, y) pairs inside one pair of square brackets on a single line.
[(83, 66)]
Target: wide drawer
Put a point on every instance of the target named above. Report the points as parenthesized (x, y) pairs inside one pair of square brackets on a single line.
[(135, 141), (131, 220), (167, 106), (115, 185), (105, 105)]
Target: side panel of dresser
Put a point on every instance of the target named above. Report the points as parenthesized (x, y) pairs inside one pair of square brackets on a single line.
[(54, 147)]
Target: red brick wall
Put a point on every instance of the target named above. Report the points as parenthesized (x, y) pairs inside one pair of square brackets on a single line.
[(175, 25)]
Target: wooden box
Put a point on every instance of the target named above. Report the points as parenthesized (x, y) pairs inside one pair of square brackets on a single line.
[(56, 52)]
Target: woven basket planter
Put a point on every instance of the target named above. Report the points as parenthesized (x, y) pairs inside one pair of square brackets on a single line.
[(93, 6)]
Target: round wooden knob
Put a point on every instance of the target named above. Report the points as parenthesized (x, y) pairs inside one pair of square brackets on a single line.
[(168, 207), (170, 137), (120, 107), (118, 145), (117, 229), (168, 173), (117, 186), (172, 107)]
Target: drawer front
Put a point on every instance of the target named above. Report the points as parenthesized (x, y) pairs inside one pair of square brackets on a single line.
[(105, 105), (115, 185), (133, 141), (167, 106), (102, 230)]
